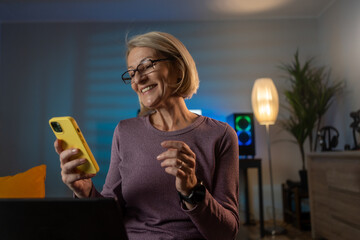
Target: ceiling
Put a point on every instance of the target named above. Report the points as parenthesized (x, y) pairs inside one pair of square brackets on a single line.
[(158, 10)]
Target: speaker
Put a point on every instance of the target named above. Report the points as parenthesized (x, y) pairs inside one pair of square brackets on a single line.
[(243, 123)]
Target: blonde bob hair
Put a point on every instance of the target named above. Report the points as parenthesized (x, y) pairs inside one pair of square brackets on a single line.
[(171, 47)]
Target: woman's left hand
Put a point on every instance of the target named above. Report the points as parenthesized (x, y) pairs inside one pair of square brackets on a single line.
[(179, 161)]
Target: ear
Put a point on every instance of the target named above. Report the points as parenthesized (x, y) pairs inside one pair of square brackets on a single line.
[(179, 70), (180, 75)]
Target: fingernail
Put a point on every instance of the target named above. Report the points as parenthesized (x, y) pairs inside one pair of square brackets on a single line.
[(158, 157), (74, 150), (83, 160)]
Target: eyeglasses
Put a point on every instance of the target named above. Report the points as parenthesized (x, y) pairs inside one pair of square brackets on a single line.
[(144, 67)]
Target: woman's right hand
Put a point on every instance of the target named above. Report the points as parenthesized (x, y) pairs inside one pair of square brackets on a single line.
[(80, 183)]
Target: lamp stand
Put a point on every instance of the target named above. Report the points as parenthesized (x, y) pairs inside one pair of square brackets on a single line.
[(274, 230)]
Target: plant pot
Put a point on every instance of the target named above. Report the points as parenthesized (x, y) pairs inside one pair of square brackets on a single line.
[(303, 179)]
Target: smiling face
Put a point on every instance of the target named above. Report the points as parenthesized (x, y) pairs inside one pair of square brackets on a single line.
[(154, 88)]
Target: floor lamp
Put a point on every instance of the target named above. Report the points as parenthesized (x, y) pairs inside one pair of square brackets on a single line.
[(265, 104)]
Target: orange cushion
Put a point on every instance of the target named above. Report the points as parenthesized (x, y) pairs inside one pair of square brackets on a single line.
[(29, 184)]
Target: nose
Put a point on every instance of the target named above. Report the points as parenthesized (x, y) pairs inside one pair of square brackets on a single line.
[(139, 78)]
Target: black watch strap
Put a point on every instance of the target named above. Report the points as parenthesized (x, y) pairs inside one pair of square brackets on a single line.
[(196, 196)]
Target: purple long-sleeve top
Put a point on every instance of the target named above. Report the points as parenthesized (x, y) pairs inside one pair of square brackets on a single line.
[(151, 206)]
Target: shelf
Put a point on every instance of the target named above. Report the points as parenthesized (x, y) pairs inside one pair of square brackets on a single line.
[(295, 206)]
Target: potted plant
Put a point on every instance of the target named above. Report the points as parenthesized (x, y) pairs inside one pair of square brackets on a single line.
[(307, 100)]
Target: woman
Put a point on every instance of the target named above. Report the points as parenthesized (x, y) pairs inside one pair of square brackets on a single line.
[(175, 173)]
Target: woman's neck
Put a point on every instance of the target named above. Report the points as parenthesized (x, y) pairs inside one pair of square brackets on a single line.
[(174, 116)]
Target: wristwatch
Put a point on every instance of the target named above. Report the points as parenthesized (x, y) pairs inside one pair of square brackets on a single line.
[(196, 196)]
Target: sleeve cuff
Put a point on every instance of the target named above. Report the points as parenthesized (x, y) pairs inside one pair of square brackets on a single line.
[(198, 207)]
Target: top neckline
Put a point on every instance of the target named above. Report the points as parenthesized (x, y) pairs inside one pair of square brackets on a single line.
[(193, 125)]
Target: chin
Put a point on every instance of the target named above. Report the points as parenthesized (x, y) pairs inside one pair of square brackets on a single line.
[(150, 104)]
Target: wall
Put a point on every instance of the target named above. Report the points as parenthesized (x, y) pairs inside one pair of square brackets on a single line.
[(339, 34), (37, 68), (74, 69)]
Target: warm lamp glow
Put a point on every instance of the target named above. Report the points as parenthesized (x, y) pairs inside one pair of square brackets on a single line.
[(265, 101), (265, 104)]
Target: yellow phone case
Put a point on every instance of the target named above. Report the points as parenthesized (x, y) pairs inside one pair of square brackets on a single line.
[(67, 130)]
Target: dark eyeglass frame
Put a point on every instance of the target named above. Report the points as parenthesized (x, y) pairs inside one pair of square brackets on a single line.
[(129, 80)]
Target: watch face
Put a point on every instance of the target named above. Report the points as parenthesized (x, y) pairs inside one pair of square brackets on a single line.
[(196, 196), (199, 193)]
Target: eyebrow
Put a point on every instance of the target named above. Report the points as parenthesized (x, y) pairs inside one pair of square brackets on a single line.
[(148, 57)]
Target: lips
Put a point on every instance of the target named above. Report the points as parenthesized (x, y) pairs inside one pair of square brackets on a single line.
[(147, 88)]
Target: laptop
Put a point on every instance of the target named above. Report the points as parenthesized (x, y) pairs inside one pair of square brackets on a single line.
[(67, 218)]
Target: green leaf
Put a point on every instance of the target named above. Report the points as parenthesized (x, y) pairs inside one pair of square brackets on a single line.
[(309, 97)]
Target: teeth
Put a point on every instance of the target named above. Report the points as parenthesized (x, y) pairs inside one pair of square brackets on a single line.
[(147, 88)]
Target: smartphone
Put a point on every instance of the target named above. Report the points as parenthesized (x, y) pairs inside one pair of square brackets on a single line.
[(67, 130)]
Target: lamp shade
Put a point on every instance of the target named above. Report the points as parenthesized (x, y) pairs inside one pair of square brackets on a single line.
[(265, 101)]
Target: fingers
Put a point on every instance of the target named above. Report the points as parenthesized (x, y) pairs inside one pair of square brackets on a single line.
[(175, 158), (70, 174), (58, 146), (179, 145), (177, 172), (176, 165), (70, 167), (69, 179), (68, 155), (68, 164), (78, 181), (178, 150), (178, 159)]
